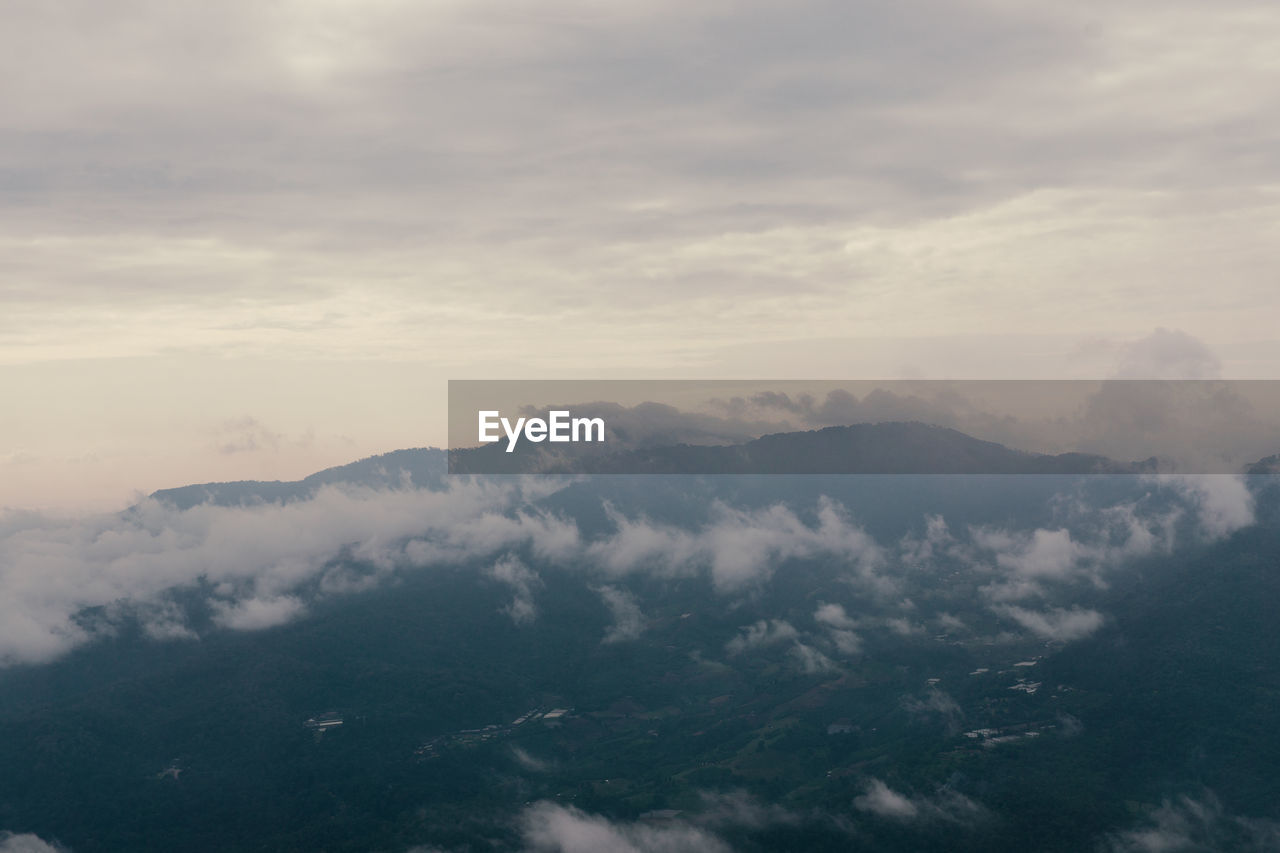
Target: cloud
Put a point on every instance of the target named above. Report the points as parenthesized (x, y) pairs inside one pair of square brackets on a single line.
[(628, 620), (772, 632), (882, 800), (261, 565), (946, 806), (257, 560), (521, 579), (841, 406), (1224, 503), (1198, 426), (528, 762), (1168, 354), (766, 632), (833, 616), (741, 810), (937, 705), (810, 660), (163, 620), (551, 828), (1095, 539), (903, 627), (255, 614), (1056, 624), (738, 547), (922, 551), (839, 627), (847, 643), (1196, 825), (1214, 427), (246, 435), (1047, 553), (935, 702), (308, 185), (297, 184), (27, 843)]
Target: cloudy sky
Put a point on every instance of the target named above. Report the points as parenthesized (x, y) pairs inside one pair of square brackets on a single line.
[(251, 239)]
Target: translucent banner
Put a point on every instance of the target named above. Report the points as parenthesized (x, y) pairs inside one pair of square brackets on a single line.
[(863, 427)]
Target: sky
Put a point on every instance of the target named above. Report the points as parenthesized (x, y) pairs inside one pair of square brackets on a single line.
[(250, 240)]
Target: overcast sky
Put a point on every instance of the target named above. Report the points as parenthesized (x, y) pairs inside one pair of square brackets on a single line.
[(250, 239)]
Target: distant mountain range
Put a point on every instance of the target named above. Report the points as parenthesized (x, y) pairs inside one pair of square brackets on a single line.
[(896, 447), (881, 448), (422, 467)]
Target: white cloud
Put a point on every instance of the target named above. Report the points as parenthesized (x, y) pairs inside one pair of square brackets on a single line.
[(1167, 354), (1096, 539), (257, 558), (260, 559), (1223, 502), (264, 563), (772, 632), (847, 643), (628, 620), (1194, 824), (947, 805), (551, 828), (937, 540), (766, 632), (528, 762), (834, 616), (667, 169), (164, 620), (254, 614), (1048, 553), (738, 547), (839, 627), (810, 660), (740, 809), (1056, 624), (882, 800), (27, 843), (937, 705), (903, 627), (521, 579)]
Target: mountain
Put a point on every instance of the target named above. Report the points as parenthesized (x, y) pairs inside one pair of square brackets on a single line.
[(880, 448), (895, 447), (924, 663), (416, 467), (1266, 465)]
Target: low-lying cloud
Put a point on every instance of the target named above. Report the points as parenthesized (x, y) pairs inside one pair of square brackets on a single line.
[(628, 620), (1056, 624), (27, 843), (259, 566), (946, 805), (1190, 824), (522, 580), (548, 827), (254, 560), (739, 547), (551, 828)]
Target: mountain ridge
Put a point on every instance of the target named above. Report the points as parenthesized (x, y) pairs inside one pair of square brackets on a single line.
[(890, 447)]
